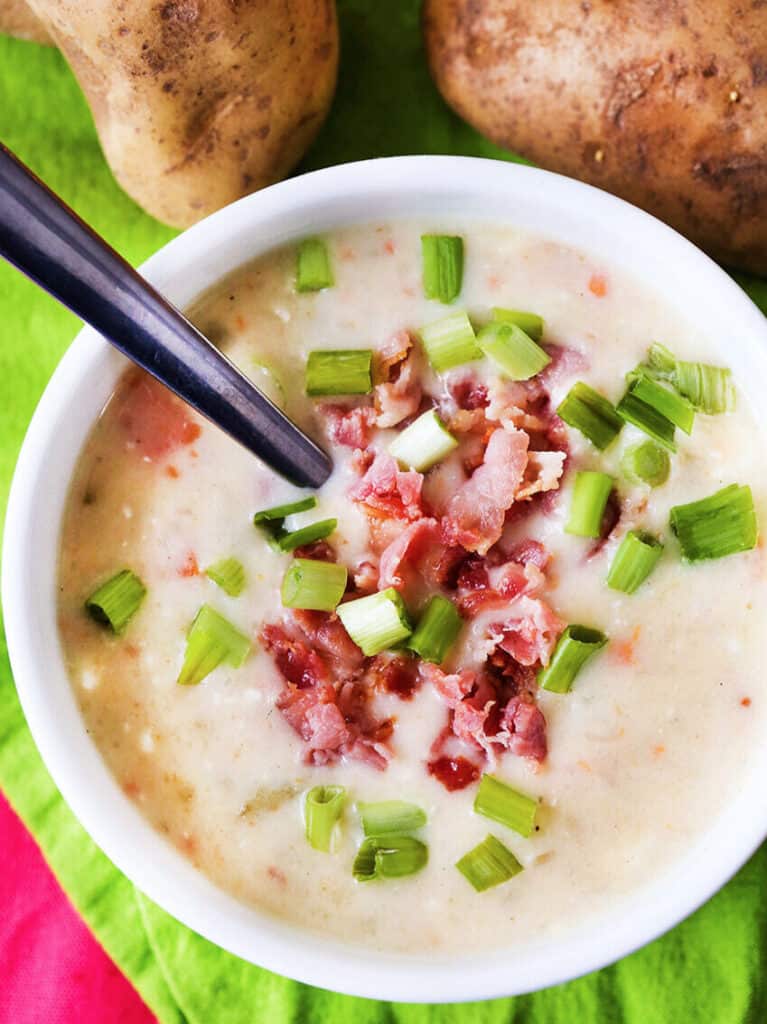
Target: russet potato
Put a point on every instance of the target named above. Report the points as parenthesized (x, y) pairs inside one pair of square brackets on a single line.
[(198, 102), (663, 102)]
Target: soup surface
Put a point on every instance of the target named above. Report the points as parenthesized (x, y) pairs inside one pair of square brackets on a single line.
[(629, 768)]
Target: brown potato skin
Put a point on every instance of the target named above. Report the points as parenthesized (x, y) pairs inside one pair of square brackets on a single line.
[(198, 102), (16, 19), (663, 103)]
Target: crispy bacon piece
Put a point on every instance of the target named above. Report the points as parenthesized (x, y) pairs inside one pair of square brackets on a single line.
[(408, 547), (453, 687), (296, 662), (565, 362), (397, 393), (386, 489), (349, 427), (529, 632), (526, 551), (454, 772), (155, 422), (365, 577), (476, 513), (318, 550), (542, 473), (523, 729), (468, 393), (395, 675), (327, 636)]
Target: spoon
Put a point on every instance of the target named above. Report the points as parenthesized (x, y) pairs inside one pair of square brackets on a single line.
[(46, 240)]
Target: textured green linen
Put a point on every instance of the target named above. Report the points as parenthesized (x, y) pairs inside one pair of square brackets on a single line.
[(708, 969)]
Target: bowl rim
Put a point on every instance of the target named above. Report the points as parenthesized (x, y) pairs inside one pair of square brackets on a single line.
[(308, 957)]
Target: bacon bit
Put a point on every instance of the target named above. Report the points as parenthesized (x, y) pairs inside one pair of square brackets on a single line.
[(454, 772), (468, 393), (318, 550), (365, 578), (389, 247), (384, 488), (172, 472), (610, 519), (349, 427), (624, 651), (190, 567), (745, 702), (240, 322), (295, 661), (131, 789), (530, 551), (398, 391), (395, 675), (405, 551), (154, 420), (277, 875), (598, 285)]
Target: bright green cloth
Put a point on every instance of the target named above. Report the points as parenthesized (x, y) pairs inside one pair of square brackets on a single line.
[(708, 969)]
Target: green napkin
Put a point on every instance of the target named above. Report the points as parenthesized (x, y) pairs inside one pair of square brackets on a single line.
[(708, 969)]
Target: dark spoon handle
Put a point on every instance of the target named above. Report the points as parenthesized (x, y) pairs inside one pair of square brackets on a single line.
[(46, 240)]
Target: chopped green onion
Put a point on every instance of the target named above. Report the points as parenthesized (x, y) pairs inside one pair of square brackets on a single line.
[(424, 443), (228, 574), (646, 463), (115, 602), (709, 388), (379, 819), (322, 809), (501, 803), (513, 351), (313, 270), (719, 525), (305, 535), (211, 640), (390, 856), (339, 372), (591, 413), (490, 863), (437, 630), (442, 266), (668, 403), (283, 511), (634, 560), (312, 584), (269, 382), (590, 493), (377, 621), (531, 323), (450, 342), (576, 645), (633, 410)]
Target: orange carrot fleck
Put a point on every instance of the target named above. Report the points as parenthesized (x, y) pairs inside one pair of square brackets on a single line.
[(191, 431), (493, 282), (172, 472), (584, 766), (190, 566), (131, 788), (277, 874), (194, 453), (240, 322), (746, 702), (624, 650), (659, 750), (598, 285), (389, 246), (347, 253)]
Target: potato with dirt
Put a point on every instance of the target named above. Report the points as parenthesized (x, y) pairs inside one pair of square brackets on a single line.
[(198, 102), (663, 102)]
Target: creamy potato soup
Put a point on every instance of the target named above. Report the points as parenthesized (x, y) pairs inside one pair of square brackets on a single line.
[(504, 667)]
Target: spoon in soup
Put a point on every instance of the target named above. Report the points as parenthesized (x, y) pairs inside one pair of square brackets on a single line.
[(46, 240)]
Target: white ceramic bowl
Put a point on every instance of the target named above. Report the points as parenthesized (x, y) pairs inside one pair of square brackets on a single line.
[(575, 214)]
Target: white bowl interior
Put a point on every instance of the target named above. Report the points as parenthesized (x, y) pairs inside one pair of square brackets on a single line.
[(429, 187)]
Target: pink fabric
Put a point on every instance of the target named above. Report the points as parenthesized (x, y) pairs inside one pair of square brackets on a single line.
[(52, 971)]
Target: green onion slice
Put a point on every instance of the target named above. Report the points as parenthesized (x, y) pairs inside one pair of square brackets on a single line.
[(719, 525), (380, 819), (634, 560), (442, 266), (513, 351), (531, 323), (115, 602), (592, 414), (661, 362), (283, 511), (498, 801), (490, 863), (653, 423), (377, 621), (312, 584), (322, 810), (590, 493), (424, 443), (576, 645), (211, 641), (668, 403), (450, 342), (229, 574), (710, 389), (313, 270), (339, 372), (305, 535), (390, 856), (646, 463), (437, 630)]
